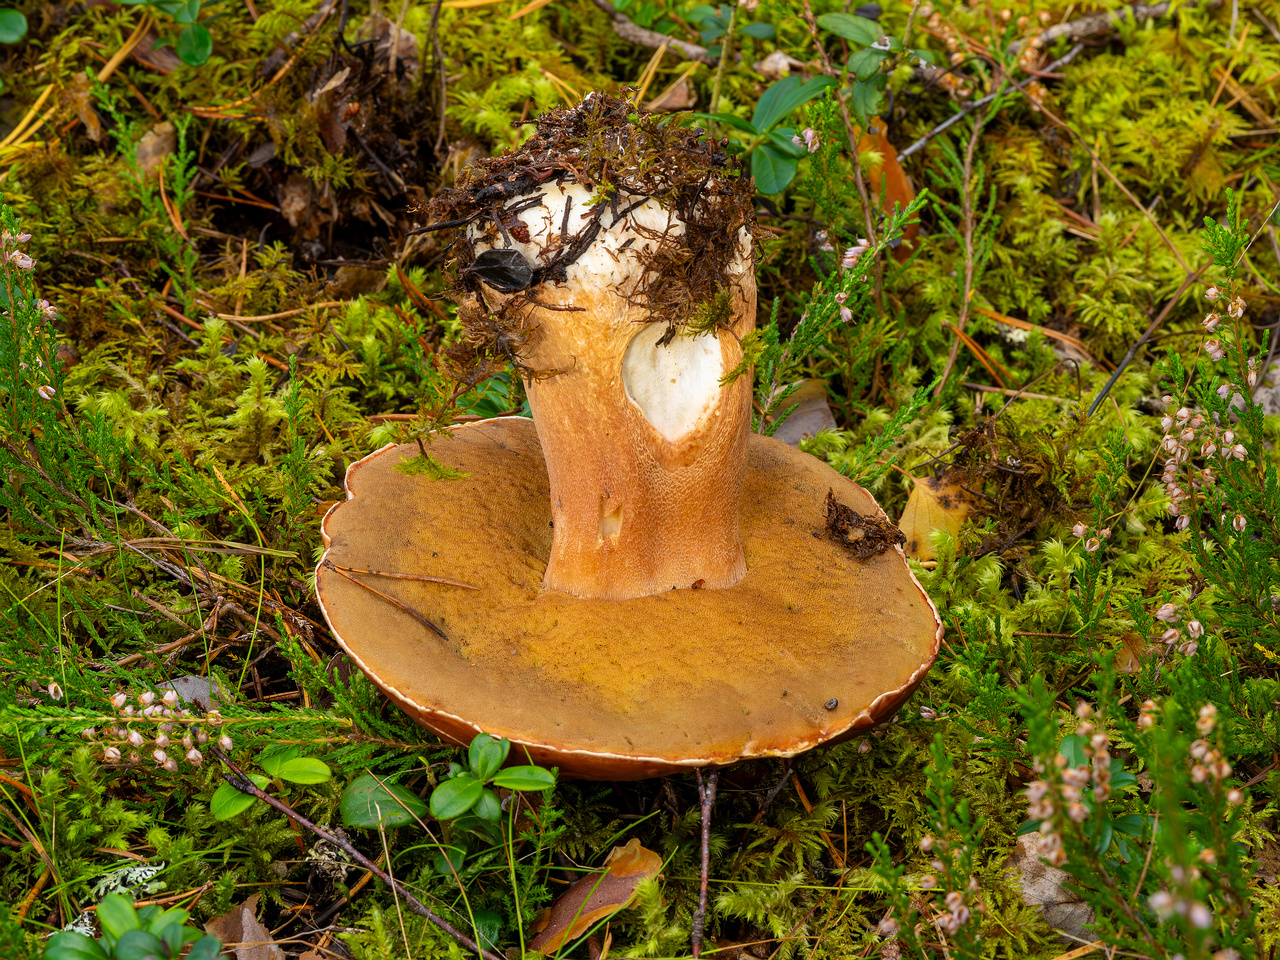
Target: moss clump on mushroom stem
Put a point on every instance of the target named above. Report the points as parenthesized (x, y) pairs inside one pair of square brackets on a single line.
[(596, 255)]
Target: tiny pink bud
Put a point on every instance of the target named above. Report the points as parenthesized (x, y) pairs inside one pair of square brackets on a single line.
[(119, 700)]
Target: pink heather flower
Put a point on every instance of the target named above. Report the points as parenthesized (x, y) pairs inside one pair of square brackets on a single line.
[(1235, 797), (1236, 308), (846, 315), (119, 700), (926, 843), (146, 698), (1212, 294), (1196, 629), (808, 140), (169, 766), (1077, 812), (47, 310), (928, 881), (1224, 390), (888, 927), (1215, 349), (1172, 635), (1188, 648), (1166, 424), (852, 254), (135, 738), (1079, 529), (1238, 523), (225, 743), (194, 756), (111, 755), (1161, 902), (20, 260), (160, 756), (1182, 523), (162, 740), (46, 392), (1239, 452), (1167, 612), (1211, 321), (1200, 916), (1092, 544)]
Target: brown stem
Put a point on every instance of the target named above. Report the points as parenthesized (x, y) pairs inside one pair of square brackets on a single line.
[(967, 215), (242, 783), (853, 135), (707, 795)]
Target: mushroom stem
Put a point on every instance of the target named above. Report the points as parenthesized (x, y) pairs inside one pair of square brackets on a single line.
[(645, 444)]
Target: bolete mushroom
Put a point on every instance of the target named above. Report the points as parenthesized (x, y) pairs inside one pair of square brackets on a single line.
[(655, 587)]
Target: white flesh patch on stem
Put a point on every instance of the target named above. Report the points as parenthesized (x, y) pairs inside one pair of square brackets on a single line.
[(675, 385)]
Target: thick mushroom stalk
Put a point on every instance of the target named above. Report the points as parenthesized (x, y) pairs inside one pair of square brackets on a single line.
[(643, 433)]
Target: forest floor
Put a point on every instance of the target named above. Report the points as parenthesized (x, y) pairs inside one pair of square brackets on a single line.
[(1020, 261)]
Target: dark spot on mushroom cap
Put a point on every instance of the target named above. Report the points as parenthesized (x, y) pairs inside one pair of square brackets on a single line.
[(832, 703)]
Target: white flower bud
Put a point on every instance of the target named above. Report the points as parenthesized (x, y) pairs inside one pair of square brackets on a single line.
[(1235, 797), (160, 756), (1167, 612), (194, 756), (111, 755), (170, 698), (135, 738), (1212, 294), (169, 766), (1195, 629), (1238, 523), (162, 741), (119, 700), (225, 743)]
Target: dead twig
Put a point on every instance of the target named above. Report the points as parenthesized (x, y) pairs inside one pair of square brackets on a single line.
[(625, 28), (707, 797), (237, 779)]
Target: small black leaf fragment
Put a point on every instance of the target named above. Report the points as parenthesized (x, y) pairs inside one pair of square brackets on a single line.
[(506, 270)]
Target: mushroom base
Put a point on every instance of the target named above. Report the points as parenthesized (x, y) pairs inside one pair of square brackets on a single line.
[(812, 646)]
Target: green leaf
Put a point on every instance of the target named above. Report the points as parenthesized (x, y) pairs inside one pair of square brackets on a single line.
[(455, 797), (366, 802), (228, 802), (117, 916), (69, 945), (489, 928), (850, 27), (761, 31), (772, 169), (776, 103), (1131, 823), (525, 778), (304, 770), (194, 45), (867, 97), (1104, 836), (163, 920), (140, 945), (865, 64), (488, 807), (13, 26), (206, 948), (487, 755), (273, 758), (447, 858), (1072, 747)]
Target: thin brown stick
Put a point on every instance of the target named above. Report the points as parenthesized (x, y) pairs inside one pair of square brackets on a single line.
[(707, 796), (391, 600), (968, 216), (628, 30), (242, 783), (406, 576)]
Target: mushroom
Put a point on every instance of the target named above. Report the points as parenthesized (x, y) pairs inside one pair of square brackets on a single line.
[(632, 583)]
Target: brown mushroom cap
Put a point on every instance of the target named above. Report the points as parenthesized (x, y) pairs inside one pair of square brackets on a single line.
[(811, 646)]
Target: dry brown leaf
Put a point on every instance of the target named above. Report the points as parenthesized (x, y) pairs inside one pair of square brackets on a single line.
[(812, 413), (1130, 655), (156, 144), (240, 930), (935, 503), (1042, 887), (595, 896)]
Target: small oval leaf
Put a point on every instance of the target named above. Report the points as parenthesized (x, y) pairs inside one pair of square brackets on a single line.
[(69, 945), (13, 26), (525, 778), (366, 802), (455, 797), (117, 916), (228, 802), (853, 28), (305, 770), (194, 45)]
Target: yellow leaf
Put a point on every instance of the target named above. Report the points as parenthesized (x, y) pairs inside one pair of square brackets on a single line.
[(935, 503)]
